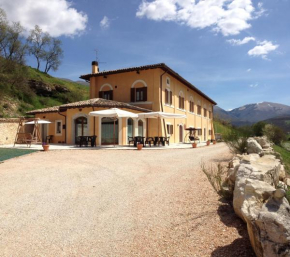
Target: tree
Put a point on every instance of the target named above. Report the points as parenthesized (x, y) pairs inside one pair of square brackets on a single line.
[(11, 45), (274, 133), (38, 41), (53, 56), (258, 128)]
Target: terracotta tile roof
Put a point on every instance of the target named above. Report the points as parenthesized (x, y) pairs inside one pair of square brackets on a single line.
[(95, 102), (48, 109), (162, 66)]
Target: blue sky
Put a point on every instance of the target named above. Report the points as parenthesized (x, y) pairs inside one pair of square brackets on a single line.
[(235, 51)]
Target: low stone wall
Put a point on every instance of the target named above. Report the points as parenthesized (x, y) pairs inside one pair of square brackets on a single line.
[(8, 130), (257, 181)]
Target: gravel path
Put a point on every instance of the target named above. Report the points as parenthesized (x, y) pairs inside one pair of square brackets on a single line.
[(116, 203)]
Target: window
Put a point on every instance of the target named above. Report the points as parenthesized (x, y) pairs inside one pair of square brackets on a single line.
[(168, 96), (106, 94), (181, 102), (58, 127), (191, 106), (167, 81), (209, 132), (204, 112), (130, 127), (199, 110), (169, 129), (209, 114), (139, 94), (199, 132)]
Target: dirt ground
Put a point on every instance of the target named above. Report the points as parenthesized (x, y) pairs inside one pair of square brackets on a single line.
[(117, 203)]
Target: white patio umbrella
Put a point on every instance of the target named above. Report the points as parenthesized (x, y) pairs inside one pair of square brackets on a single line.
[(160, 115), (114, 113), (39, 122)]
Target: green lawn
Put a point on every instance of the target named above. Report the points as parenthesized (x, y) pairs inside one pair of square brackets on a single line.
[(285, 156), (6, 154)]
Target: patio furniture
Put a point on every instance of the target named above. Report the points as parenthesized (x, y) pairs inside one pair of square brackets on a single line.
[(131, 140), (149, 141), (49, 139), (92, 139), (83, 140), (139, 139)]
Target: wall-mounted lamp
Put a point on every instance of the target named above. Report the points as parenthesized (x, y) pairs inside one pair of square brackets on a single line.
[(43, 117), (105, 76), (80, 109), (138, 72), (116, 86)]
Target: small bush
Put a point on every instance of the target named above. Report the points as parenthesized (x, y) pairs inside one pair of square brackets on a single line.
[(236, 143), (274, 133)]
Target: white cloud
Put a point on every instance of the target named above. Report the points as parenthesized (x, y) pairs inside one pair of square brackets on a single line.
[(226, 16), (237, 42), (254, 85), (249, 70), (105, 23), (262, 49), (57, 17)]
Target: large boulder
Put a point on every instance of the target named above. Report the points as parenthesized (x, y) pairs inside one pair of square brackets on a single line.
[(261, 205), (253, 146)]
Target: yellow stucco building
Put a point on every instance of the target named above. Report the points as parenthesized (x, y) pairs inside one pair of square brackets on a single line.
[(138, 89)]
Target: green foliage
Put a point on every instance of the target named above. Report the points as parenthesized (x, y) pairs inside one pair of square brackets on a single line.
[(258, 128), (285, 154), (236, 142), (274, 133)]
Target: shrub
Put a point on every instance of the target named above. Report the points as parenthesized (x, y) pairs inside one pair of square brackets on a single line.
[(236, 143), (258, 128), (274, 133)]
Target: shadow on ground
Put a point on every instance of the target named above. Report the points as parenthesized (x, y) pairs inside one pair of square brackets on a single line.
[(240, 247)]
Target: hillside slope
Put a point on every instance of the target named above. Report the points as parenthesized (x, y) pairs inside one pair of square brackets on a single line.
[(24, 88)]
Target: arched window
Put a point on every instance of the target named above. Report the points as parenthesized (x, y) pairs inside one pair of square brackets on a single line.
[(139, 91), (140, 128), (130, 127), (181, 100), (191, 104), (106, 92), (168, 96)]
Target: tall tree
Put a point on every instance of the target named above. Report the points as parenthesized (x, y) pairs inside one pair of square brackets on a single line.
[(11, 40), (38, 41), (53, 56)]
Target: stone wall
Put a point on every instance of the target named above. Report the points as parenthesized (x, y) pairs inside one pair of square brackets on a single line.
[(259, 186), (8, 130)]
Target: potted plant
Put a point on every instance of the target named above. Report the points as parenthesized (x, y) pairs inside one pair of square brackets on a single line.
[(45, 146), (194, 145), (139, 146), (214, 141), (207, 142)]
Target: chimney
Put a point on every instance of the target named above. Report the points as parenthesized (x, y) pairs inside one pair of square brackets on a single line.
[(95, 67)]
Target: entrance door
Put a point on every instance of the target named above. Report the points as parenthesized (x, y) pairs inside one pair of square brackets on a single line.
[(81, 125), (204, 132), (130, 127), (180, 133), (108, 137)]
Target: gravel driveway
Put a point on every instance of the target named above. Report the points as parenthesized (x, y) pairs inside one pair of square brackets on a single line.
[(116, 203)]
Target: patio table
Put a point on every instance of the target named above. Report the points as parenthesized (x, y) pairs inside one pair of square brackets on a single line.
[(139, 139)]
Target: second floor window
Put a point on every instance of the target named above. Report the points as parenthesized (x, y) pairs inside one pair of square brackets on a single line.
[(209, 114), (106, 94), (191, 106), (139, 94), (204, 112), (168, 97), (199, 110), (181, 102)]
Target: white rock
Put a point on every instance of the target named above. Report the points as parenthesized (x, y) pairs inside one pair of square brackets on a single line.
[(253, 146)]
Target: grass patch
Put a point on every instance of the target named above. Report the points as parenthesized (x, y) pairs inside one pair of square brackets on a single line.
[(285, 154), (6, 154)]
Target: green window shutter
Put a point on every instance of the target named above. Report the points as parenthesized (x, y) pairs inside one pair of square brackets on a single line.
[(166, 96), (170, 98), (133, 94), (145, 94)]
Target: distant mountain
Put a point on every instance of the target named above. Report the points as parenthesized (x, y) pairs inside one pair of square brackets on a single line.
[(252, 113), (81, 82), (282, 122)]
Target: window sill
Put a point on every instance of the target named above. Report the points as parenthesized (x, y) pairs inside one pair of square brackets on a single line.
[(167, 105), (140, 102), (183, 110)]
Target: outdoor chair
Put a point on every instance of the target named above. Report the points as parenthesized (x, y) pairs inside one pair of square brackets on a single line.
[(131, 140), (149, 140), (166, 140), (92, 139), (49, 139)]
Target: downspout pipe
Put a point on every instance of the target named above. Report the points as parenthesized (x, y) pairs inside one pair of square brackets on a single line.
[(94, 122), (64, 125), (161, 100)]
